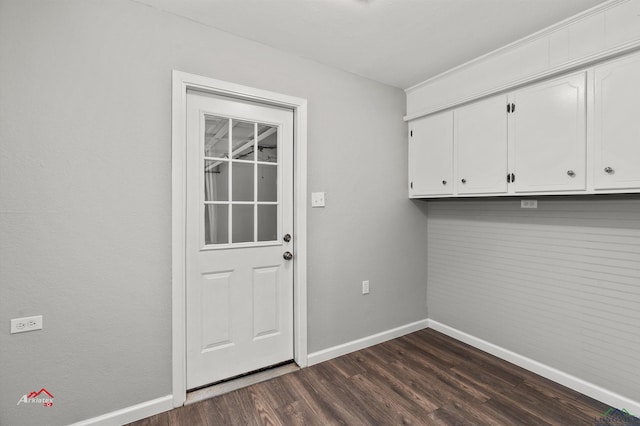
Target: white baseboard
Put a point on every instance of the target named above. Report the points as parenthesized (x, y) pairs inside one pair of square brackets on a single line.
[(159, 405), (131, 414), (365, 342), (575, 383)]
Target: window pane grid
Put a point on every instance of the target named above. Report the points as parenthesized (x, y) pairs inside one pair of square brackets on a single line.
[(255, 183), (248, 208), (235, 161), (258, 203)]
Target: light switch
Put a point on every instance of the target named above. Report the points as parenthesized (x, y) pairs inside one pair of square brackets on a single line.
[(317, 199)]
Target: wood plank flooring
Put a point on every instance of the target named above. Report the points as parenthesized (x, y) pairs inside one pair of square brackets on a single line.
[(424, 378)]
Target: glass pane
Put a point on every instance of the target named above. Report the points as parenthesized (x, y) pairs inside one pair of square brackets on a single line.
[(216, 224), (242, 182), (242, 223), (267, 143), (267, 182), (216, 137), (267, 223), (243, 140), (216, 180)]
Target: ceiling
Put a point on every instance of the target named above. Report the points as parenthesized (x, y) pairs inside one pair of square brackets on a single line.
[(396, 42)]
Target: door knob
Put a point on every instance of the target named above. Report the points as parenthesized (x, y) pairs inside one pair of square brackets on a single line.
[(571, 173), (608, 170), (287, 238), (287, 255)]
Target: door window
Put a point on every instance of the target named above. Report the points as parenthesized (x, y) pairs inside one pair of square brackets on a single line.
[(241, 182)]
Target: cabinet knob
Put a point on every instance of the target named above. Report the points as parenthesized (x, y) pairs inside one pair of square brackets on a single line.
[(608, 170), (444, 182), (571, 173), (464, 181)]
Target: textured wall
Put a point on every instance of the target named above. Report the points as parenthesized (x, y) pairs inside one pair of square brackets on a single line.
[(85, 198), (560, 284)]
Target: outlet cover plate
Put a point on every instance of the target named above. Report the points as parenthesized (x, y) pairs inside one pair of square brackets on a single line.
[(21, 325)]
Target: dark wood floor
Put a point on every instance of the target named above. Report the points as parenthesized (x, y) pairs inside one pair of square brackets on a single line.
[(424, 378)]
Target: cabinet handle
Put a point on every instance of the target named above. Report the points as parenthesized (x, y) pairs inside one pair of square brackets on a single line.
[(608, 170), (513, 177), (464, 181), (444, 182), (571, 173), (411, 185), (508, 177)]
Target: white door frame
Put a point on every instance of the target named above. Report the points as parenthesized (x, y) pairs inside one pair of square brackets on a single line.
[(181, 83)]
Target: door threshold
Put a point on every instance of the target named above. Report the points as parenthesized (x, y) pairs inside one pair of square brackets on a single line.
[(220, 388)]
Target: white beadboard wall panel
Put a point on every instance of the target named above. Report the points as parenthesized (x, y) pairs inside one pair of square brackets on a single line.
[(559, 284)]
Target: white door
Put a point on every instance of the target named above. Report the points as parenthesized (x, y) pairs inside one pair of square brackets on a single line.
[(431, 155), (239, 198), (548, 135), (481, 147), (617, 124)]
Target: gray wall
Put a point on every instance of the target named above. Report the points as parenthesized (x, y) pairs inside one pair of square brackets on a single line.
[(560, 284), (85, 197)]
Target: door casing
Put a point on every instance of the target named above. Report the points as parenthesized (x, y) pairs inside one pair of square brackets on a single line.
[(181, 83)]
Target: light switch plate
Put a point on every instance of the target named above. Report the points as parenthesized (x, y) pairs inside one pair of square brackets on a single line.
[(317, 199)]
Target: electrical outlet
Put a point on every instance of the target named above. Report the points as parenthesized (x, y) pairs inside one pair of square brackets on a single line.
[(20, 325), (365, 287), (528, 204)]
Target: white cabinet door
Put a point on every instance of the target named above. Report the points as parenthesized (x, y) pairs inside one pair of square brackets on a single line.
[(481, 147), (431, 155), (617, 124), (548, 136)]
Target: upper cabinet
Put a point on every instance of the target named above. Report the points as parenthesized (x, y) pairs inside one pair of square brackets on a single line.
[(481, 147), (616, 124), (547, 135), (557, 112), (431, 155), (529, 141)]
